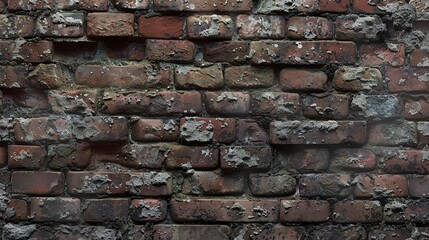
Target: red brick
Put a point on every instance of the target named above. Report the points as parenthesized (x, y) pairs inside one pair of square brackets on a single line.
[(357, 211), (222, 210), (197, 157), (206, 6), (131, 156), (335, 106), (310, 159), (272, 184), (407, 80), (304, 211), (302, 53), (419, 58), (226, 51), (38, 183), (419, 186), (17, 210), (176, 231), (93, 5), (131, 4), (261, 26), (42, 129), (5, 179), (47, 76), (272, 103), (268, 231), (372, 7), (153, 104), (61, 24), (422, 131), (354, 27), (380, 186), (390, 233), (76, 156), (30, 5), (317, 132), (273, 6), (13, 76), (416, 108), (26, 157), (393, 134), (248, 77), (14, 5), (164, 27), (302, 80), (354, 159), (187, 77), (245, 157), (33, 52), (248, 130), (170, 50), (338, 6), (105, 210), (142, 76), (310, 28), (131, 51), (101, 129), (407, 161), (110, 24), (325, 185), (3, 156), (55, 209), (203, 130), (355, 232), (410, 211), (227, 103), (380, 54), (73, 101), (213, 27), (211, 183), (26, 100), (150, 184), (148, 210), (377, 107), (16, 26), (155, 130), (355, 79)]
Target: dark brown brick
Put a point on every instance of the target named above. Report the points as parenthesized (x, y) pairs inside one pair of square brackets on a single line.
[(261, 26), (17, 210), (75, 156), (302, 80), (101, 129), (325, 185), (176, 231), (357, 211), (148, 210), (355, 79), (130, 4), (26, 157), (245, 157), (61, 24), (356, 28), (188, 77), (203, 130), (406, 161), (393, 134), (248, 77), (13, 76), (310, 28), (206, 6), (304, 211), (105, 210), (227, 103), (55, 209), (273, 103), (416, 108), (73, 101), (38, 183), (380, 186), (407, 80), (211, 183), (335, 106), (170, 50), (249, 130), (354, 159), (15, 26), (339, 6), (278, 184), (310, 159), (155, 130), (419, 186), (196, 157), (419, 58), (226, 51), (110, 24), (209, 27), (376, 54)]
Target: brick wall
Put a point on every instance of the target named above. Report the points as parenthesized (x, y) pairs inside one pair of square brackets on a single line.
[(236, 119)]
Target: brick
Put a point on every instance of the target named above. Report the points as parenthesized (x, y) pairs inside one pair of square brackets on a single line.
[(46, 76), (6, 130), (406, 80), (76, 156), (273, 103), (226, 51), (227, 103), (16, 26), (355, 79), (419, 58), (28, 5), (366, 28), (153, 104), (207, 6), (338, 6), (155, 130), (26, 100), (13, 76), (302, 80), (131, 51), (325, 185), (209, 27), (245, 157), (353, 159), (357, 211), (370, 7), (101, 129), (377, 107), (3, 156), (203, 130), (261, 26), (17, 210), (416, 108), (110, 25), (422, 131), (61, 24), (142, 76), (407, 161), (26, 157), (22, 51), (150, 184), (176, 231), (105, 210), (335, 106), (170, 50), (380, 54), (148, 210), (132, 155), (213, 184), (38, 183), (130, 4), (411, 211), (93, 5), (269, 231), (279, 184), (275, 6), (380, 186), (310, 159), (390, 233), (211, 210), (34, 130), (393, 134), (248, 131), (302, 53), (199, 158), (199, 78), (304, 211), (164, 27), (310, 28), (318, 132), (248, 77), (96, 183), (419, 186), (73, 101), (354, 232), (59, 209)]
